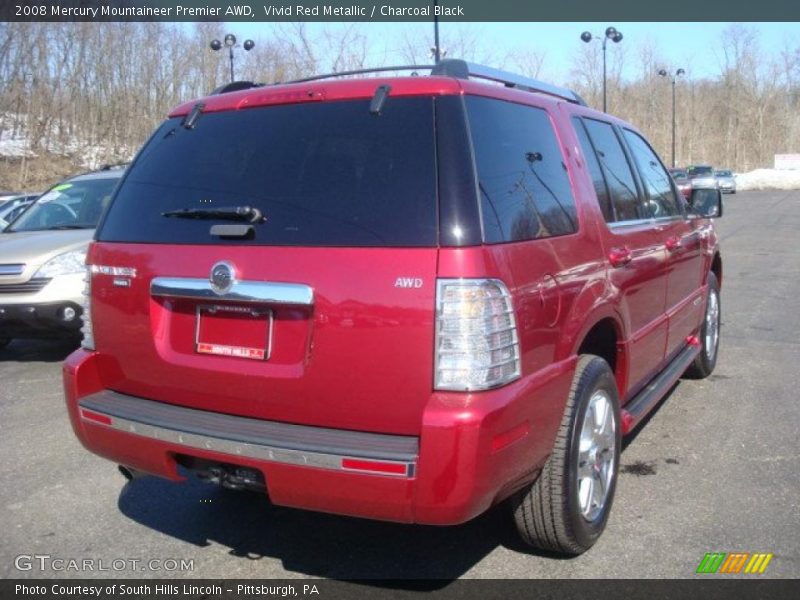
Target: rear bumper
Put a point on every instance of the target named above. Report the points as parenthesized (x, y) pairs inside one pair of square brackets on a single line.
[(473, 449)]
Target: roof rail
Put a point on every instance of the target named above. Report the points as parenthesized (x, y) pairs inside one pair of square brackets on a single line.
[(451, 67), (112, 166), (358, 72), (461, 69), (235, 86)]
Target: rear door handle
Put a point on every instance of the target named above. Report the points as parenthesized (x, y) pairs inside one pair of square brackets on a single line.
[(620, 256)]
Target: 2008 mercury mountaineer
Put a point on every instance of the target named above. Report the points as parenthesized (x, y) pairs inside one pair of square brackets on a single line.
[(401, 298)]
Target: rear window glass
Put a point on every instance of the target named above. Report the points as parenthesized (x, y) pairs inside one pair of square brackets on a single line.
[(322, 174), (600, 187), (617, 170), (524, 187), (700, 172)]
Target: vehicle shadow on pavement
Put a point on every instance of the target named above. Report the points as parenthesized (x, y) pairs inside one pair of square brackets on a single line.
[(318, 544), (38, 350), (310, 543)]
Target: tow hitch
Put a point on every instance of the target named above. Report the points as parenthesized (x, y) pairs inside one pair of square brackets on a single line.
[(232, 477)]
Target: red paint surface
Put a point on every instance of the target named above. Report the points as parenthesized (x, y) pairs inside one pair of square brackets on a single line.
[(362, 357)]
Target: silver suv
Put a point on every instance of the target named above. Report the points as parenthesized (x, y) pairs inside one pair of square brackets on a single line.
[(42, 255)]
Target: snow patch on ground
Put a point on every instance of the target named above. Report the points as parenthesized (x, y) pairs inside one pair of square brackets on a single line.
[(15, 143), (768, 179)]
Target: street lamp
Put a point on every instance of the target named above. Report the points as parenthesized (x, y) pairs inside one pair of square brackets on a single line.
[(674, 78), (611, 34), (230, 43)]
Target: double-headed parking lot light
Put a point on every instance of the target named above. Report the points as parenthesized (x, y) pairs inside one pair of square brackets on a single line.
[(230, 43), (611, 34)]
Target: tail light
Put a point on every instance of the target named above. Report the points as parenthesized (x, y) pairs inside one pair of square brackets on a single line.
[(477, 346), (86, 328)]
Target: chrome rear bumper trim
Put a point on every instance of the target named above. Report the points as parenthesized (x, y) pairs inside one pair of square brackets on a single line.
[(251, 438)]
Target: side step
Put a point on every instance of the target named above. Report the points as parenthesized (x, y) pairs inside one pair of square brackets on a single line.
[(641, 404)]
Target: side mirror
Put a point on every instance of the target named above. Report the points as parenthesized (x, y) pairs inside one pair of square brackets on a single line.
[(706, 203)]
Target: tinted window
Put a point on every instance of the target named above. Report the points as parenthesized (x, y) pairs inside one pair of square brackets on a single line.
[(600, 187), (525, 191), (700, 172), (76, 204), (661, 198), (622, 187), (323, 174)]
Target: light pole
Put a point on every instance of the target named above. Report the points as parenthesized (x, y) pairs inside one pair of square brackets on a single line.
[(230, 43), (613, 35), (436, 52), (674, 78)]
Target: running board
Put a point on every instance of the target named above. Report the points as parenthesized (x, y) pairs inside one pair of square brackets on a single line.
[(643, 402)]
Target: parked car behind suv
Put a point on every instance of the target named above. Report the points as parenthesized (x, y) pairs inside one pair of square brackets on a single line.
[(42, 257), (683, 182), (726, 181), (402, 298), (14, 206), (702, 176)]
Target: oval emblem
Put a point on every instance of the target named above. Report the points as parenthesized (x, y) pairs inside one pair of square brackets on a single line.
[(222, 277)]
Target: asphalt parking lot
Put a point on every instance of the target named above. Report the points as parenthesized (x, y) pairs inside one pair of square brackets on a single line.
[(714, 469)]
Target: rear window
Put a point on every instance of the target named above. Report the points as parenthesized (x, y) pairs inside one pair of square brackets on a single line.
[(524, 188), (323, 174), (700, 172)]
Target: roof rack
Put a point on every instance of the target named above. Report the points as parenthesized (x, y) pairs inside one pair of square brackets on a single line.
[(461, 69), (112, 166), (235, 86), (359, 72)]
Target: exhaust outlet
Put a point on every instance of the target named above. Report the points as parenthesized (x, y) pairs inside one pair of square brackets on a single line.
[(128, 473)]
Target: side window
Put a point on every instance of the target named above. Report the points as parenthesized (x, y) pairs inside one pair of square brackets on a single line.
[(661, 198), (524, 187), (600, 186), (616, 169)]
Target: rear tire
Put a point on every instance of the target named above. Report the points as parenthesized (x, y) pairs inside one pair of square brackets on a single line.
[(566, 509), (705, 362), (4, 342)]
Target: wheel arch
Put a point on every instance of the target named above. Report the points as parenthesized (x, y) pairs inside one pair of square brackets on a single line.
[(716, 267), (603, 335)]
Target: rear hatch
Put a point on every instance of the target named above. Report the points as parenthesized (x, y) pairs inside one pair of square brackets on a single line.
[(321, 310)]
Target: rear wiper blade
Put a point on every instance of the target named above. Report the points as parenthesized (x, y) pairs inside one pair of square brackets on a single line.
[(68, 226), (229, 213)]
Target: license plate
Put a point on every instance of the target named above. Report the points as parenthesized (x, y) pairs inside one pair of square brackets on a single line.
[(236, 331)]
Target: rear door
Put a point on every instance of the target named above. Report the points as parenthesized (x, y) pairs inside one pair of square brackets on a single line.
[(328, 319), (635, 256), (680, 240)]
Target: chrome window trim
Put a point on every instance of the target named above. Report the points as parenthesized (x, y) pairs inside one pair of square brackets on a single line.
[(248, 292), (652, 222)]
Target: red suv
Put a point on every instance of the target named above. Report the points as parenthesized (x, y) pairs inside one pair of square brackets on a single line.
[(404, 298)]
